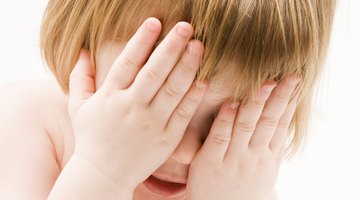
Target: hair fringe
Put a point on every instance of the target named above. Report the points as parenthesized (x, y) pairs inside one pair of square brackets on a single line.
[(246, 41)]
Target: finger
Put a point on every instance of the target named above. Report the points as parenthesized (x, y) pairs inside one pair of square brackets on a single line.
[(82, 84), (282, 129), (280, 156), (179, 81), (273, 110), (181, 117), (134, 55), (154, 73), (246, 119), (218, 140)]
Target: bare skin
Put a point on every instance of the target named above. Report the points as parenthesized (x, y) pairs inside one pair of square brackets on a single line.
[(46, 142)]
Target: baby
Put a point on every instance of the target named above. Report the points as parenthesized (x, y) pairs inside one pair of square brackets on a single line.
[(163, 100)]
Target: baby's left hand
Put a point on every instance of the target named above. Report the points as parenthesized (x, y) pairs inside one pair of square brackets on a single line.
[(241, 156)]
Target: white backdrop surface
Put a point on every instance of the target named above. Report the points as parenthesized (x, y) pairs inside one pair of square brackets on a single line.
[(328, 168)]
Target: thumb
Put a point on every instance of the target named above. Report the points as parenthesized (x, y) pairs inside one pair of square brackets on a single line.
[(82, 83)]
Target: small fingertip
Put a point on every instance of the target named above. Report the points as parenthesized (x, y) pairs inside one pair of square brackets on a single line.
[(153, 24), (201, 85), (84, 59), (234, 105), (195, 47), (269, 87), (83, 65), (292, 80), (184, 29), (84, 53)]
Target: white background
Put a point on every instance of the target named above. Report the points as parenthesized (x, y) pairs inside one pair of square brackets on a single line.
[(329, 166)]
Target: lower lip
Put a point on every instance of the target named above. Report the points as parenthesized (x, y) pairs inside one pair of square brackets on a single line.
[(163, 188)]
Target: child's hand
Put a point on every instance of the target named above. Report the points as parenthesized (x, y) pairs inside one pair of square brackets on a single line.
[(242, 153), (133, 123)]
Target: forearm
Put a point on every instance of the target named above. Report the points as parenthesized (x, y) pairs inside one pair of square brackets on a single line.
[(80, 180)]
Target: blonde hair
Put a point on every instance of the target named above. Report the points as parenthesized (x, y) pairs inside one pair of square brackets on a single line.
[(248, 40)]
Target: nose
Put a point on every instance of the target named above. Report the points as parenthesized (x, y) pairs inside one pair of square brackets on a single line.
[(187, 148)]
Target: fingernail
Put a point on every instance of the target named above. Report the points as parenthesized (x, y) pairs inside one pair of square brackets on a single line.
[(182, 30), (234, 105), (269, 88), (152, 24), (294, 81), (199, 85)]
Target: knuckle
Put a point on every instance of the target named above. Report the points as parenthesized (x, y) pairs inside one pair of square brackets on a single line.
[(226, 120), (193, 98), (282, 98), (265, 160), (269, 121), (183, 112), (186, 68), (153, 75), (164, 140), (171, 90), (258, 147), (128, 63), (221, 139), (283, 95), (245, 126), (258, 104), (283, 126)]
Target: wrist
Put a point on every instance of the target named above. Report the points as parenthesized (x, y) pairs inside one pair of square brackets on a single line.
[(81, 180)]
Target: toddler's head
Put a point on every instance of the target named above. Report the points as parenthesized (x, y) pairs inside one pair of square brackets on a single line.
[(246, 41)]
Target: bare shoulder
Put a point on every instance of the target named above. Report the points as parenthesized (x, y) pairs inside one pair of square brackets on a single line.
[(41, 103), (32, 144), (32, 95), (34, 91)]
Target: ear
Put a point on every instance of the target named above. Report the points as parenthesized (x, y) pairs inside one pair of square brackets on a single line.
[(82, 82)]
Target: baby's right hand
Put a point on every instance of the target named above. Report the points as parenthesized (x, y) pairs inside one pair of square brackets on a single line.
[(133, 123)]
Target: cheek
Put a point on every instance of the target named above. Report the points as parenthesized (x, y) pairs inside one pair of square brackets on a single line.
[(203, 119), (206, 129), (201, 128)]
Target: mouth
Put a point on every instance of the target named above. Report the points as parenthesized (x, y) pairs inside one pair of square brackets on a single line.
[(164, 187)]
